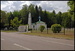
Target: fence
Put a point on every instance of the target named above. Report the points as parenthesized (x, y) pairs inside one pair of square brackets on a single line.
[(67, 31)]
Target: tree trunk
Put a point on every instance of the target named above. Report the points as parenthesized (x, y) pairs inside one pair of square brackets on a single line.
[(64, 30), (47, 30)]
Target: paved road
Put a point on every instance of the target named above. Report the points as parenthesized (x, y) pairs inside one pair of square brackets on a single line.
[(17, 41)]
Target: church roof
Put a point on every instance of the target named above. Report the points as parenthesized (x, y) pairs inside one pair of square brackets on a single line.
[(39, 22)]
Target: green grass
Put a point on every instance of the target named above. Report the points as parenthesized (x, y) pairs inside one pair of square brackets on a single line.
[(52, 35), (68, 35), (8, 31)]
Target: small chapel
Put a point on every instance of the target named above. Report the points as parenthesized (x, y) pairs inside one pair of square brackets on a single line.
[(33, 26)]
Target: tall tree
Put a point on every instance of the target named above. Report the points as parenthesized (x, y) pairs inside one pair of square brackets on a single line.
[(3, 19), (17, 14), (66, 20), (40, 11), (50, 21), (53, 17), (32, 11), (36, 14), (10, 17), (45, 18), (71, 4), (24, 14), (3, 16), (15, 23), (59, 18)]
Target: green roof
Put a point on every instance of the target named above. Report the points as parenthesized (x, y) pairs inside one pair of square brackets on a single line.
[(39, 22)]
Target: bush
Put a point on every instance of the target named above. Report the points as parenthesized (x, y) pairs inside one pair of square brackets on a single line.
[(56, 28), (29, 29), (42, 28)]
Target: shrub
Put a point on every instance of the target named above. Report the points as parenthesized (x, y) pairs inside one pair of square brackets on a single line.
[(30, 29), (42, 28), (56, 28)]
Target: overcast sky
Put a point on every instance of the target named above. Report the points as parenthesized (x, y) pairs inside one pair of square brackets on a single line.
[(48, 5)]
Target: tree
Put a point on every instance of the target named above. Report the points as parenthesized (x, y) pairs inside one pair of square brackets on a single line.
[(59, 18), (3, 16), (17, 14), (50, 21), (45, 18), (3, 19), (53, 18), (36, 14), (10, 17), (40, 11), (54, 12), (24, 14), (15, 22), (7, 19), (66, 20), (31, 9), (71, 4), (42, 28), (56, 28)]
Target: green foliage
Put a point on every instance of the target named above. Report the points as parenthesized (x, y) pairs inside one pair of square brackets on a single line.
[(15, 22), (3, 17), (71, 5), (56, 28), (59, 18), (29, 29), (24, 14), (65, 19), (42, 28), (71, 10), (45, 18)]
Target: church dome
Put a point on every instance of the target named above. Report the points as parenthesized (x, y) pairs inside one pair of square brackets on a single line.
[(39, 22)]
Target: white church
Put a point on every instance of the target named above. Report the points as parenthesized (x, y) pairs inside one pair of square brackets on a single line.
[(33, 26)]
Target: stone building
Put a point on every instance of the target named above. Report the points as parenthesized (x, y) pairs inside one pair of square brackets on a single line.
[(31, 25), (36, 25), (23, 28)]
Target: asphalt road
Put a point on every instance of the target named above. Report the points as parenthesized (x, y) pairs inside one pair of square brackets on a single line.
[(17, 41)]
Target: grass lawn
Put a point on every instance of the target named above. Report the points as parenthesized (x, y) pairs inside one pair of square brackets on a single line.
[(68, 35), (8, 31)]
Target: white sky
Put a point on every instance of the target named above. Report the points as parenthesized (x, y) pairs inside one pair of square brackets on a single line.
[(48, 5)]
